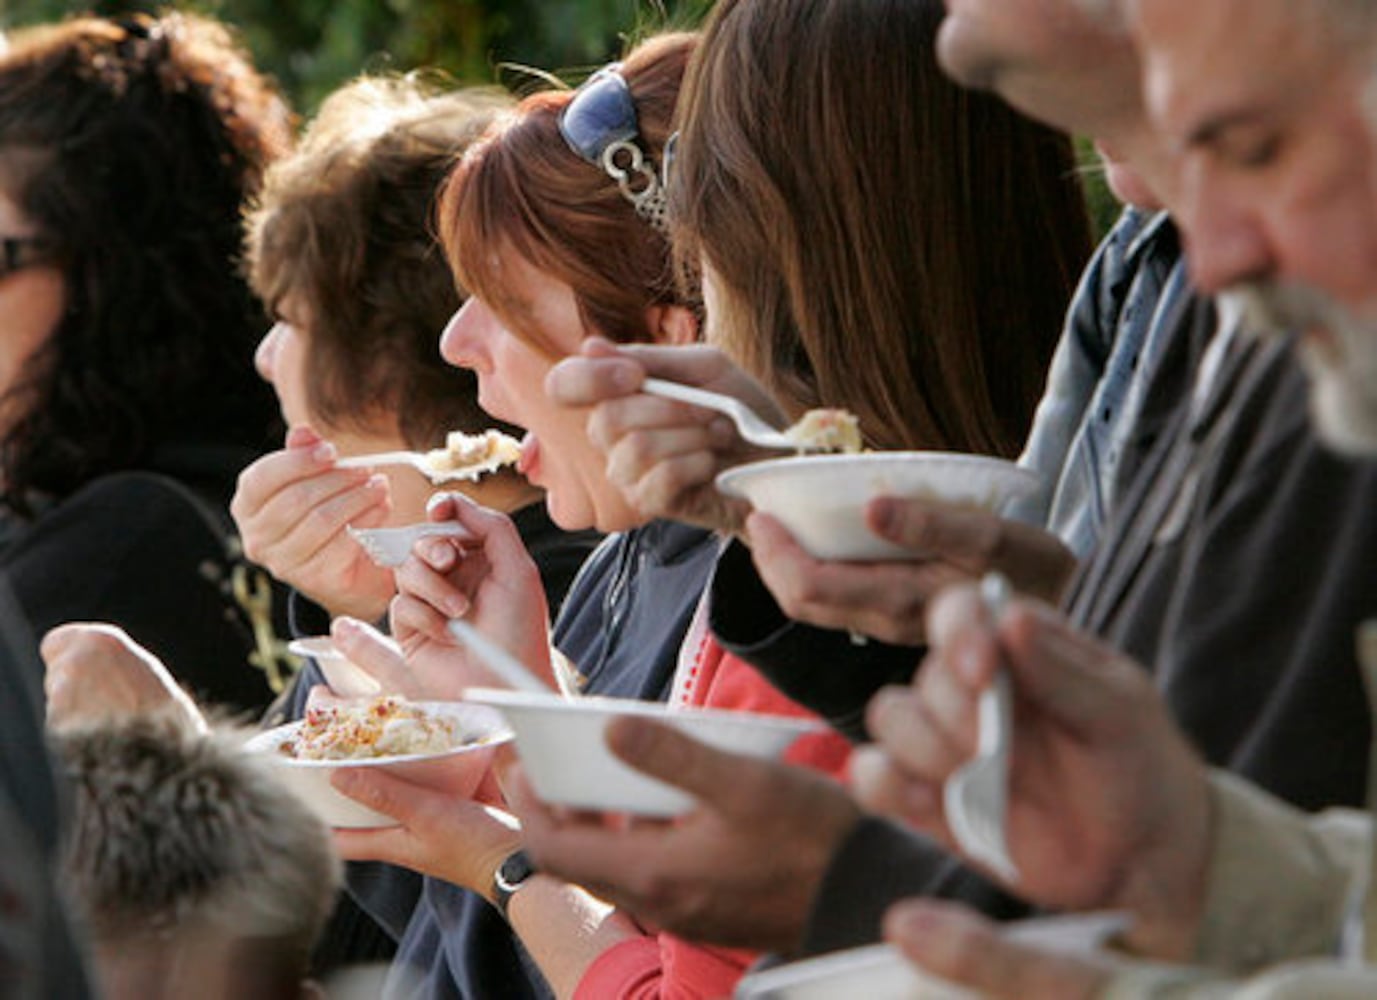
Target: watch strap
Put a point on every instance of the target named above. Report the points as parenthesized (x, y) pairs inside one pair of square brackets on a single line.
[(510, 876)]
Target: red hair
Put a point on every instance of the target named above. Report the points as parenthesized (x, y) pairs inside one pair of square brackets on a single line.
[(522, 190)]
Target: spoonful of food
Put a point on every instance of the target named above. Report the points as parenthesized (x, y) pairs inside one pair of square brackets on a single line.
[(818, 430), (464, 456)]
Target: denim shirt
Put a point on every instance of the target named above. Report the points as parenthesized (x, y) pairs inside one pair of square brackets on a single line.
[(1115, 330)]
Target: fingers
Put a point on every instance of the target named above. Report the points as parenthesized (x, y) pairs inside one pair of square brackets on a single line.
[(956, 610), (383, 794), (734, 785), (664, 456), (616, 864), (681, 488), (1086, 686), (310, 528), (661, 751), (634, 449), (972, 542), (69, 638), (649, 421), (659, 451), (882, 600), (412, 615), (697, 364), (378, 791), (883, 788), (955, 944), (508, 559), (377, 654), (291, 504), (967, 538), (593, 377), (95, 670), (422, 578), (1074, 681), (928, 731)]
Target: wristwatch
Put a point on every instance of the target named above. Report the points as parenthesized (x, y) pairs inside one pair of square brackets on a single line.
[(510, 876)]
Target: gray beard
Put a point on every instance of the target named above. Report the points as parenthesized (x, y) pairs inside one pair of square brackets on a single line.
[(1343, 388)]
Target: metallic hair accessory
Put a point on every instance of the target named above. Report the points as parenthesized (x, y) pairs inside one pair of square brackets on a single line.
[(599, 124)]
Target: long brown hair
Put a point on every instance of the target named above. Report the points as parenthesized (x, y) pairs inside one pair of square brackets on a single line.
[(884, 240), (523, 190)]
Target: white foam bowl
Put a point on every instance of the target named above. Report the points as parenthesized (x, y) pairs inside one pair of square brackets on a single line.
[(821, 499), (345, 677), (880, 972), (564, 752), (457, 771), (876, 972)]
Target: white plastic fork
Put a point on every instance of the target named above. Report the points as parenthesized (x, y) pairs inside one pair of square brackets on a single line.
[(976, 794), (749, 424), (513, 672), (389, 547), (421, 462)]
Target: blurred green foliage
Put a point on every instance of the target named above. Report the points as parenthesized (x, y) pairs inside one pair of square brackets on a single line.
[(311, 46), (1104, 208)]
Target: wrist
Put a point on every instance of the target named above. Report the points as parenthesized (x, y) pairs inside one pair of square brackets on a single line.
[(510, 875), (1171, 882)]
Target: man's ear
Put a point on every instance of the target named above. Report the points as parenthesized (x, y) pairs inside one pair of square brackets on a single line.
[(672, 325)]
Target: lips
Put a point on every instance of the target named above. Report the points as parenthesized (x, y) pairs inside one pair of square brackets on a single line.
[(529, 461)]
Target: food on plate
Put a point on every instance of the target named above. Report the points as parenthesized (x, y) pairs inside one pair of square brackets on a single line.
[(473, 454), (387, 726), (827, 430)]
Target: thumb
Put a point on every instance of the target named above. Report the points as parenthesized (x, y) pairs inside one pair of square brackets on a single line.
[(302, 436), (599, 347), (598, 373), (376, 654), (662, 751), (963, 948), (957, 535)]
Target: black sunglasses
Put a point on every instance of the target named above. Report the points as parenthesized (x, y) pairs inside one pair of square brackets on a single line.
[(20, 252)]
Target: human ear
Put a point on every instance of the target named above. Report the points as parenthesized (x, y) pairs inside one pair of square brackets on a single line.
[(673, 325)]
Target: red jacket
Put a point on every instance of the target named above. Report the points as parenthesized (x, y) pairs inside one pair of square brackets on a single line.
[(667, 967)]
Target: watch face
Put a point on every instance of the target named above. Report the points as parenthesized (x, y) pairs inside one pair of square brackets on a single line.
[(515, 870)]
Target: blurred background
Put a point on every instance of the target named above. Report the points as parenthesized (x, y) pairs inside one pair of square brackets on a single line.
[(311, 46)]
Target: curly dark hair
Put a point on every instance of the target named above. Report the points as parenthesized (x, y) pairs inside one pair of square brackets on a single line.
[(132, 145), (343, 228)]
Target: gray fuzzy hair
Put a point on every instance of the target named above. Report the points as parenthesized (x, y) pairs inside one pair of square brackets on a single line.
[(178, 828)]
